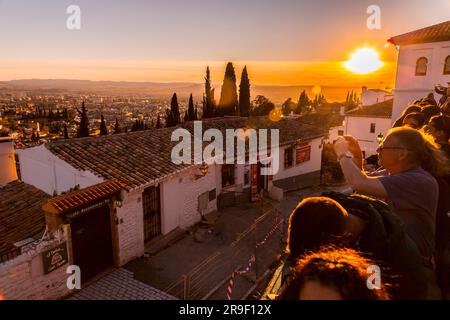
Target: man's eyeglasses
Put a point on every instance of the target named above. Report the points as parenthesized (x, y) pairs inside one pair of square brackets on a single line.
[(381, 148)]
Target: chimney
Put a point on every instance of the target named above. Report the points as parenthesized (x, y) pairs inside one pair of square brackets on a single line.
[(8, 171)]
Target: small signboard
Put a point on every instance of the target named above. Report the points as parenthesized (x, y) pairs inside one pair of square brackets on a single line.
[(54, 258)]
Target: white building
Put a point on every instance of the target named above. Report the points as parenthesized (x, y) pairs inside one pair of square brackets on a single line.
[(158, 196), (372, 96), (423, 62), (367, 123)]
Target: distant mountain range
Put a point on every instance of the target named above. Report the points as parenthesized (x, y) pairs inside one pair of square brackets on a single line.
[(277, 94)]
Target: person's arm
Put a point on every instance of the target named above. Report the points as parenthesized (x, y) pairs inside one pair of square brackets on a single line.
[(370, 186), (359, 181)]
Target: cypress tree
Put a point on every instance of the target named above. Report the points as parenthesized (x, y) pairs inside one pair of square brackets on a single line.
[(191, 113), (244, 94), (208, 102), (66, 132), (228, 104), (303, 102), (83, 130), (158, 122), (175, 109), (116, 127), (103, 129)]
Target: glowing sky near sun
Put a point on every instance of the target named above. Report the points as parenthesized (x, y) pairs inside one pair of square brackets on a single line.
[(285, 42)]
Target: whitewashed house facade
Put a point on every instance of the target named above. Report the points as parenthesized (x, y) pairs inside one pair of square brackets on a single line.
[(423, 62)]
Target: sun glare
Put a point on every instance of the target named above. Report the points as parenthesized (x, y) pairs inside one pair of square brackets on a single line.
[(364, 61)]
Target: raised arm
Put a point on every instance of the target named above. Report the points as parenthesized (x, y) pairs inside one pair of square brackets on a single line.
[(356, 178)]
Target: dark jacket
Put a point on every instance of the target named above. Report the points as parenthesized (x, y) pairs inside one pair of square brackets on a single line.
[(385, 239)]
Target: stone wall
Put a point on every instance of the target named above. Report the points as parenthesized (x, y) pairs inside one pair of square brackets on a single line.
[(23, 278)]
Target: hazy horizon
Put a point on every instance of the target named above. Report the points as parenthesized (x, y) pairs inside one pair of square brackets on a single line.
[(284, 42)]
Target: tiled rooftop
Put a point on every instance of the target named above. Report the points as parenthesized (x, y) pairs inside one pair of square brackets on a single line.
[(82, 197), (435, 33), (142, 157), (381, 109), (21, 216)]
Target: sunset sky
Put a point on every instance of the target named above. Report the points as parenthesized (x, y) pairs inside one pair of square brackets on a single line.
[(283, 42)]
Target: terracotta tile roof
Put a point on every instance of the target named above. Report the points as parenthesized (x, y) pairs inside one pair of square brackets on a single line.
[(381, 110), (82, 197), (143, 157), (435, 33), (21, 216)]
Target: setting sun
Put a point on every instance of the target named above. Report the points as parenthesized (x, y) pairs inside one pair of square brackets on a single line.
[(364, 61)]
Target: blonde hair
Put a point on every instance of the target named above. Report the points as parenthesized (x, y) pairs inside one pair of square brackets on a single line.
[(423, 150)]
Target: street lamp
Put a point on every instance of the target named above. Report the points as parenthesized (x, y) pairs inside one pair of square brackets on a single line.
[(204, 168), (380, 138)]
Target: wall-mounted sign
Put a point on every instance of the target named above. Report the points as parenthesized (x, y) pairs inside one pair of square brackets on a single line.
[(54, 258), (87, 209)]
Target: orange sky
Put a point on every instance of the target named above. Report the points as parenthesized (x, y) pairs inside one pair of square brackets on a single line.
[(325, 73)]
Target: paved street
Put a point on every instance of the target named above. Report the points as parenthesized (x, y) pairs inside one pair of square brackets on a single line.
[(120, 285)]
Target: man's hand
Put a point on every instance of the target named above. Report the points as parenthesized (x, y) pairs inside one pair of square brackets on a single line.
[(341, 146)]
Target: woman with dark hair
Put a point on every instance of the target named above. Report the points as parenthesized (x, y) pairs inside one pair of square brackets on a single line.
[(411, 108), (317, 221), (414, 120), (439, 128), (333, 274), (430, 111)]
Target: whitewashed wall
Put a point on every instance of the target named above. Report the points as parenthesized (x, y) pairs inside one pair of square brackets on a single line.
[(42, 169), (23, 278), (359, 128), (179, 198), (314, 164), (410, 87)]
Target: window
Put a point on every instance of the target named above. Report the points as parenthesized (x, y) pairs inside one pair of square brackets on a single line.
[(303, 154), (246, 175), (227, 175), (288, 157), (212, 194), (421, 66), (447, 65), (340, 133), (372, 128)]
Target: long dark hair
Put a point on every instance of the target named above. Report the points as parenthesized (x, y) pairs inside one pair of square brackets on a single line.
[(314, 222), (340, 268)]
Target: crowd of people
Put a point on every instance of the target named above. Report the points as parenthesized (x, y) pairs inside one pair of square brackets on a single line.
[(397, 219)]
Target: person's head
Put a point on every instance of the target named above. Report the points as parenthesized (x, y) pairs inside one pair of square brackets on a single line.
[(411, 108), (429, 111), (332, 274), (314, 222), (439, 128), (445, 108), (414, 120), (406, 148)]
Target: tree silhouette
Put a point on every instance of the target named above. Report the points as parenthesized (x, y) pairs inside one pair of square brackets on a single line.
[(244, 94), (303, 102), (103, 129), (228, 104), (117, 127), (158, 122), (262, 106), (191, 112), (83, 130), (209, 104), (66, 132), (173, 114)]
